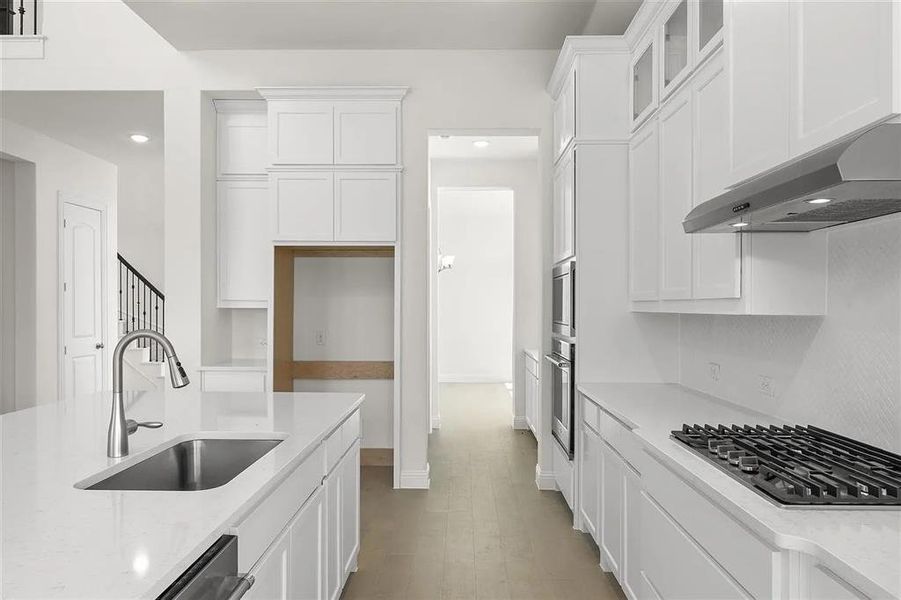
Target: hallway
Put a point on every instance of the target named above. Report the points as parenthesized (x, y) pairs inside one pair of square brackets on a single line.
[(483, 530)]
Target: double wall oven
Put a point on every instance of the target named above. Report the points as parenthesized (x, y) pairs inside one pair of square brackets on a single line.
[(563, 354)]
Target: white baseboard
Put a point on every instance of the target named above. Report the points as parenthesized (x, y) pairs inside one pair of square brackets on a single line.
[(464, 378), (436, 421), (415, 480), (520, 423), (545, 480)]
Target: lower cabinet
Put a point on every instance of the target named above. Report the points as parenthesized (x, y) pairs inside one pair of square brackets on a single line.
[(312, 557), (532, 391), (612, 489), (589, 485)]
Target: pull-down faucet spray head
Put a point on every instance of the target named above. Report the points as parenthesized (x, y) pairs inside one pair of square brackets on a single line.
[(117, 439)]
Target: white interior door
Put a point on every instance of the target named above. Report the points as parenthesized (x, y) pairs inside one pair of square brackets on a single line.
[(82, 300)]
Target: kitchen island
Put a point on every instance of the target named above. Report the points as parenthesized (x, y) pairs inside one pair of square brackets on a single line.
[(59, 541)]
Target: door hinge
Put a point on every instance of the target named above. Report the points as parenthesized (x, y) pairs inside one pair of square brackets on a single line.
[(65, 223), (65, 349), (65, 287)]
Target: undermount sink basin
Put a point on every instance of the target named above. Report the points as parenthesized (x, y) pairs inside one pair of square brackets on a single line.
[(194, 464)]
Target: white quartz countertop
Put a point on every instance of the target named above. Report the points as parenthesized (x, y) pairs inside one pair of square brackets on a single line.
[(862, 546), (63, 542), (237, 364)]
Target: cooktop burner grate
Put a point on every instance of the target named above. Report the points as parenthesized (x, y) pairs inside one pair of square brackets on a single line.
[(800, 466)]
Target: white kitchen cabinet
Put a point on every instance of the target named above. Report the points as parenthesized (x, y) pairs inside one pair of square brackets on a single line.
[(644, 88), (675, 131), (716, 258), (841, 60), (673, 563), (589, 507), (611, 501), (676, 56), (349, 475), (301, 132), (758, 48), (644, 210), (272, 572), (630, 570), (532, 393), (565, 115), (564, 208), (366, 132), (303, 205), (242, 138), (708, 21), (243, 244), (365, 206), (307, 560)]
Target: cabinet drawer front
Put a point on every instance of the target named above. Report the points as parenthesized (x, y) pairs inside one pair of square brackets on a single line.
[(266, 521), (621, 439), (233, 381), (341, 439), (747, 559), (591, 414), (674, 565)]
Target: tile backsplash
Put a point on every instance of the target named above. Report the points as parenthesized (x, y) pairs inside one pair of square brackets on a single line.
[(841, 371)]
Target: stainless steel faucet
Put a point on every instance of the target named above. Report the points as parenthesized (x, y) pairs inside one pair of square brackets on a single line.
[(119, 428)]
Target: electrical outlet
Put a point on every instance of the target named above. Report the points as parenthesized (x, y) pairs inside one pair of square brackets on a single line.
[(713, 369), (320, 337), (766, 386)]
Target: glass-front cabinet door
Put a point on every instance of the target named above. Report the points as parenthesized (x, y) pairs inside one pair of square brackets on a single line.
[(643, 89), (710, 26), (675, 47)]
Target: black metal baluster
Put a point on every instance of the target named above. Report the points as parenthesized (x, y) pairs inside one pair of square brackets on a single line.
[(35, 9), (21, 17)]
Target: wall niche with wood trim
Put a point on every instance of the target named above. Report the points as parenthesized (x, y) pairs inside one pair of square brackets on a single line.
[(333, 328)]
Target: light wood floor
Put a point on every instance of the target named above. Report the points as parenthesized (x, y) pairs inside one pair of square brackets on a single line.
[(483, 530)]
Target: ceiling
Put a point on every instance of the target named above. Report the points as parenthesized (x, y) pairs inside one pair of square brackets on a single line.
[(98, 123), (499, 147), (380, 24)]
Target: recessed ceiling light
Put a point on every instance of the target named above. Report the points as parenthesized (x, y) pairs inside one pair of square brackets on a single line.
[(481, 143), (740, 224), (139, 138), (819, 201)]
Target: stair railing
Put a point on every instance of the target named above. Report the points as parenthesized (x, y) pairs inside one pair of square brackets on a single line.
[(141, 306), (10, 13)]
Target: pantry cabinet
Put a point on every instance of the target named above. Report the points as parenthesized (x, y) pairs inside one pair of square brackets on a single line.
[(242, 135), (644, 213), (243, 235), (565, 115)]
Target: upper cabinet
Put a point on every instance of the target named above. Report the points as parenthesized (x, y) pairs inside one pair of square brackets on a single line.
[(565, 208), (587, 86), (804, 74), (334, 126), (709, 23), (841, 60), (644, 84), (302, 132), (675, 47), (366, 133), (244, 243), (242, 138)]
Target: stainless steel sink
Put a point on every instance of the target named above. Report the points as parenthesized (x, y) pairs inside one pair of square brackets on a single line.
[(197, 464)]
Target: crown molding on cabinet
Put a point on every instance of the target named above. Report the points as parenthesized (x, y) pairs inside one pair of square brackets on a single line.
[(239, 106), (573, 46), (375, 92), (643, 20)]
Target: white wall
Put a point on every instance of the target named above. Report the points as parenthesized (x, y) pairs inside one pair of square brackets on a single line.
[(449, 90), (841, 371), (7, 286), (58, 168), (140, 225), (475, 298), (530, 228)]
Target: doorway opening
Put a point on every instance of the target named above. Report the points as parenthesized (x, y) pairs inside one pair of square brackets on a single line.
[(485, 265)]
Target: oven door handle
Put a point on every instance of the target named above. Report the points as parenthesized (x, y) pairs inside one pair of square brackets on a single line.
[(563, 365)]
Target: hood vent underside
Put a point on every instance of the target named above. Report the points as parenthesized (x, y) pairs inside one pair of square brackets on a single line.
[(855, 179)]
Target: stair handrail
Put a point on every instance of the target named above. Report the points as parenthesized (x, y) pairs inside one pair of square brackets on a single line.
[(136, 293)]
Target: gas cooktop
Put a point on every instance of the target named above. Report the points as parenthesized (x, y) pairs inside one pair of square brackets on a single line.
[(800, 467)]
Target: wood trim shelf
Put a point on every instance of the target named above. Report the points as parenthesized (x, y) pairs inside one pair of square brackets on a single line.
[(341, 251), (343, 369)]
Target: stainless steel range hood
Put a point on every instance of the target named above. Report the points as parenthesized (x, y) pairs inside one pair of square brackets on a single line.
[(855, 179)]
